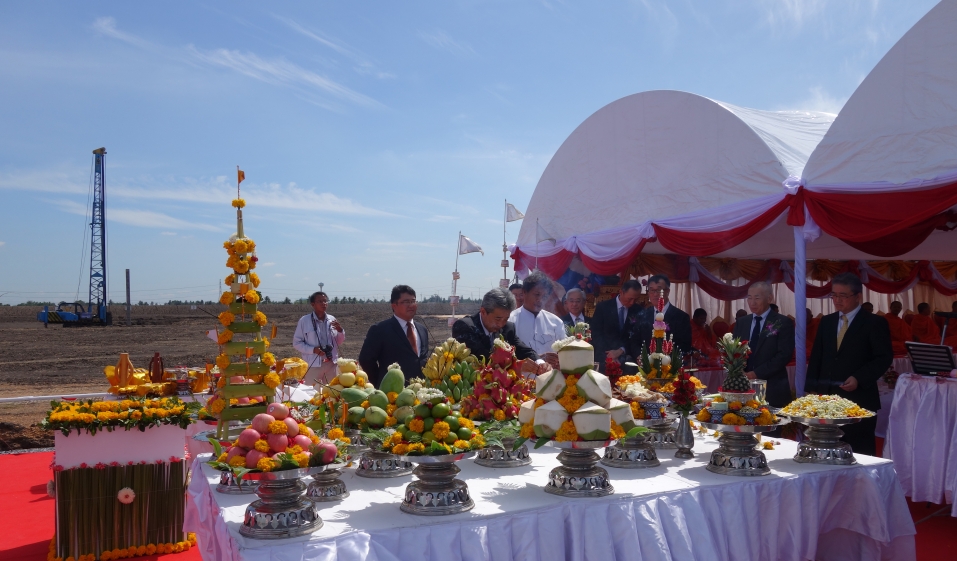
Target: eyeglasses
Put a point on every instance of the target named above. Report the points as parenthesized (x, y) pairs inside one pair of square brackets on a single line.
[(405, 302), (659, 290), (837, 296)]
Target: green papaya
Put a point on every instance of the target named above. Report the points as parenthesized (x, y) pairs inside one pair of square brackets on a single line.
[(393, 381)]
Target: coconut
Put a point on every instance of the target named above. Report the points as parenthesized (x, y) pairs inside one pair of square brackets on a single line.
[(576, 357), (549, 418), (526, 412), (621, 414), (596, 387), (592, 422), (549, 385)]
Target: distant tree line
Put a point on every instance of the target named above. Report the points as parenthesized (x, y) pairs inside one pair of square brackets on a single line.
[(435, 298)]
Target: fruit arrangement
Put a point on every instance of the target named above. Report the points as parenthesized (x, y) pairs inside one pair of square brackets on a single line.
[(451, 368), (432, 428), (499, 389), (575, 402), (364, 407), (660, 359), (749, 412), (350, 375), (734, 357), (274, 441)]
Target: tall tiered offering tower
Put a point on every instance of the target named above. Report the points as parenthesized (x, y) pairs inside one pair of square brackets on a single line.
[(247, 384)]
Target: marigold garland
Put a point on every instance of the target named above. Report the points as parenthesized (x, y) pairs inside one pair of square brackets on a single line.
[(254, 278), (227, 298), (224, 337), (239, 203), (260, 318), (240, 266), (226, 318), (251, 297), (269, 359), (567, 432), (278, 427), (222, 361), (272, 380), (240, 247)]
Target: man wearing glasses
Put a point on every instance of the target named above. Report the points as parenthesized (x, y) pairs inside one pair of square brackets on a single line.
[(679, 322), (852, 350), (318, 337), (399, 339)]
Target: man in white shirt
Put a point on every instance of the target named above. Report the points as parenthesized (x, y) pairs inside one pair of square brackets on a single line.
[(317, 338), (537, 327)]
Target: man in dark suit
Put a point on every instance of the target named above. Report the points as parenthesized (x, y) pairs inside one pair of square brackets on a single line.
[(399, 339), (852, 350), (477, 331), (575, 307), (614, 323), (679, 322), (771, 338)]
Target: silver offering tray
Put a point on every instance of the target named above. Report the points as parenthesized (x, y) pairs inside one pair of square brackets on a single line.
[(737, 453), (505, 456), (229, 484), (436, 491), (824, 444), (327, 486), (635, 452), (579, 474), (233, 433), (282, 511), (377, 463)]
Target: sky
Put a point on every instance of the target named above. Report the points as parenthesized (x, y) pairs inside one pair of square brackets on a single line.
[(370, 133)]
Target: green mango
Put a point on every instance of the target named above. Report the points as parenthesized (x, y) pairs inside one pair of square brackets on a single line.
[(375, 416), (355, 415), (379, 399), (405, 398), (453, 422), (393, 381), (353, 396), (427, 437), (464, 433), (423, 410)]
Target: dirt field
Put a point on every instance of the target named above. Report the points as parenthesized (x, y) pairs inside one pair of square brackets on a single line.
[(58, 361)]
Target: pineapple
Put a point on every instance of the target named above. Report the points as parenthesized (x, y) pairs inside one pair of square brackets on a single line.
[(736, 382)]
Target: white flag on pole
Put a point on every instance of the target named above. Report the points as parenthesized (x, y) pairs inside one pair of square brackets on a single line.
[(213, 334), (512, 214), (544, 236), (468, 246)]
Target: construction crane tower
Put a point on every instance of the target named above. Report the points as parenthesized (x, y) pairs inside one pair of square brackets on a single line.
[(98, 239)]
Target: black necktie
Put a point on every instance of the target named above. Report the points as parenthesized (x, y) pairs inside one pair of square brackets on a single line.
[(756, 332)]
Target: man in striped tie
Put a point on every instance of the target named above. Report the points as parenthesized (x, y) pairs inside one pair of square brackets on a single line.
[(852, 350)]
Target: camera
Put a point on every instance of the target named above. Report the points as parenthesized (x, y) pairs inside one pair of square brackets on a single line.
[(327, 350)]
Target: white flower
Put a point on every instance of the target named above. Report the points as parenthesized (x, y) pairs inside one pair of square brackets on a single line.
[(126, 495), (665, 360), (659, 317), (728, 337)]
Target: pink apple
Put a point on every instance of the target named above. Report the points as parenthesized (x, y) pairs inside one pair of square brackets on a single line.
[(328, 452), (261, 422), (302, 441), (278, 442), (242, 401), (277, 410), (292, 427), (253, 457), (235, 451), (236, 380), (305, 430), (248, 438)]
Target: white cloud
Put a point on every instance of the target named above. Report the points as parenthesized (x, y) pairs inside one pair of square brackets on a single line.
[(269, 264), (442, 41), (133, 217), (167, 233), (818, 99), (279, 275), (3, 244), (362, 65)]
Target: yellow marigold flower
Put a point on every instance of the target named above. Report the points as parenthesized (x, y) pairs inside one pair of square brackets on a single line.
[(364, 404), (240, 246), (261, 445), (392, 396), (264, 464), (241, 266), (176, 548), (416, 447), (616, 430), (499, 415), (260, 318), (252, 297), (140, 551), (237, 461), (222, 361), (272, 379), (335, 433), (463, 422), (301, 459), (269, 359), (227, 298), (224, 337), (417, 425), (278, 427), (230, 279), (571, 380), (440, 430), (150, 549), (254, 278), (400, 449), (527, 431), (567, 432), (296, 449), (461, 445), (226, 318), (105, 556), (239, 203), (455, 378), (732, 419), (390, 420), (136, 415), (539, 402), (186, 545), (390, 409), (767, 445), (704, 416), (345, 439)]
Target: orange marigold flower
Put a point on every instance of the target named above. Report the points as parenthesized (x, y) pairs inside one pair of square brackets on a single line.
[(417, 425)]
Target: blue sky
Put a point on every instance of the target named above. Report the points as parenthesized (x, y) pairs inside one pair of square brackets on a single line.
[(370, 132)]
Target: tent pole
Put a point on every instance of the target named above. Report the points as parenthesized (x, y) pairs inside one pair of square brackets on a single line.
[(800, 306)]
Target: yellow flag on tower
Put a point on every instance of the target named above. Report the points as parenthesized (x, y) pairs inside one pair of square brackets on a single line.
[(241, 175)]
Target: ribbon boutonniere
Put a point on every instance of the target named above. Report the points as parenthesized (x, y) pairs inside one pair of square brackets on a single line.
[(772, 329)]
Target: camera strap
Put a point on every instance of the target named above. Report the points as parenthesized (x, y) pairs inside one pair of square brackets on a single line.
[(326, 327)]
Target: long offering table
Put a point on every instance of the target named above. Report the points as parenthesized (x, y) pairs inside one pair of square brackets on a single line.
[(677, 511)]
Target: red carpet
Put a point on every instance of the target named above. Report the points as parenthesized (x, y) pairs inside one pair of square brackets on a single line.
[(24, 496)]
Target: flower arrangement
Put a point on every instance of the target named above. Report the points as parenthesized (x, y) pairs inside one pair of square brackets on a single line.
[(452, 369), (734, 357), (128, 414), (750, 412), (660, 356), (580, 331), (498, 392), (433, 429), (685, 396)]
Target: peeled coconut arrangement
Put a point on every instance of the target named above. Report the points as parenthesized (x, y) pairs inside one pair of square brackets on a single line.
[(275, 441), (574, 403)]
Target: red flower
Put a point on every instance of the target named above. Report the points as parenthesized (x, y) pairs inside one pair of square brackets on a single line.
[(100, 465), (57, 468), (83, 465)]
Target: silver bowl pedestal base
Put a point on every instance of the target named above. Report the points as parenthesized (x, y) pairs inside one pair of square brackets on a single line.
[(662, 437), (495, 457), (280, 512), (631, 453), (229, 484), (824, 446), (737, 454), (327, 487), (579, 475), (375, 464), (436, 492)]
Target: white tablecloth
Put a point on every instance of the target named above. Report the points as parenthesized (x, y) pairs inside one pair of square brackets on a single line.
[(678, 511), (922, 438)]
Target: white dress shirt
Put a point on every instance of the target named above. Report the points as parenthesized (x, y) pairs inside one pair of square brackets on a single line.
[(764, 320), (537, 331), (418, 340), (577, 319), (312, 332), (850, 318)]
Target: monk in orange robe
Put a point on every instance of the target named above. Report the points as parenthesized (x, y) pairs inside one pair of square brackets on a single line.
[(900, 331), (812, 323), (923, 327), (703, 339)]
